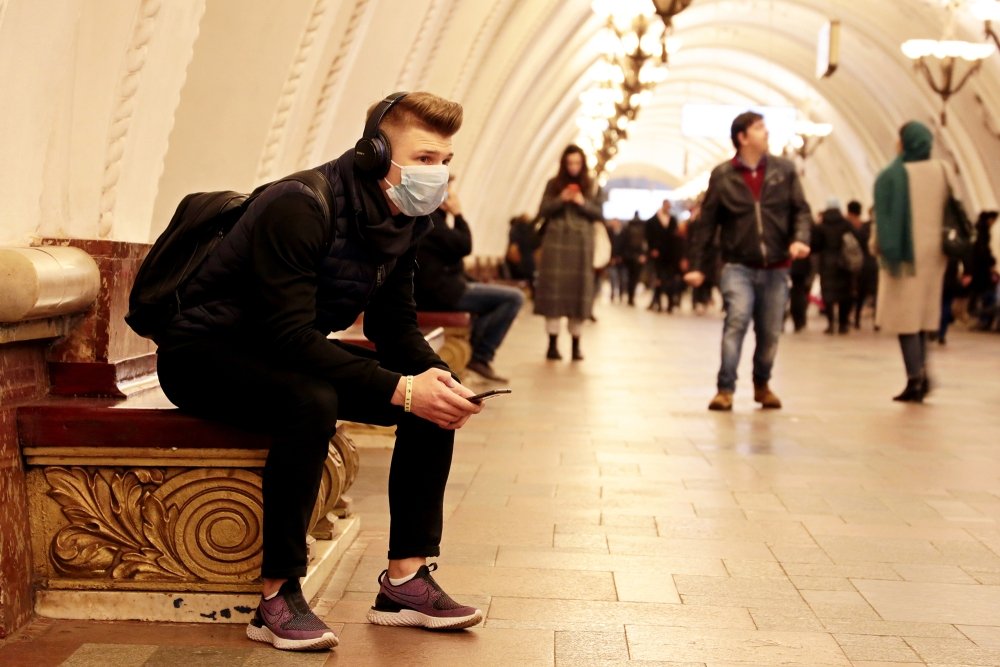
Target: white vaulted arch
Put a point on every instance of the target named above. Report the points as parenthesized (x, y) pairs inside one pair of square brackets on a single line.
[(115, 110)]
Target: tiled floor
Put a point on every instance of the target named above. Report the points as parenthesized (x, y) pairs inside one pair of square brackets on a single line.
[(602, 516)]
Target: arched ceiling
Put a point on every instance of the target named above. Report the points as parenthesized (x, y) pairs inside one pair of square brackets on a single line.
[(118, 109), (740, 52)]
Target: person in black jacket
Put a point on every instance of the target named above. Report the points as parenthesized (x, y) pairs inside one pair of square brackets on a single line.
[(835, 280), (982, 267), (250, 346), (666, 252), (632, 250), (866, 283), (522, 241), (756, 202), (441, 284)]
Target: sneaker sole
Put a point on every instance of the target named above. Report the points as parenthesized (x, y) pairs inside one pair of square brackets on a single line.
[(263, 634), (414, 619)]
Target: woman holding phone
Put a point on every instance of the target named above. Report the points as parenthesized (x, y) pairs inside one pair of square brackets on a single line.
[(565, 284)]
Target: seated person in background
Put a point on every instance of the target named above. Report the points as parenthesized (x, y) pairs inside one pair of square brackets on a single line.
[(522, 242), (440, 283)]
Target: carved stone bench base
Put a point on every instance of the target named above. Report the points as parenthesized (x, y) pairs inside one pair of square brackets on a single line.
[(187, 606), (144, 501)]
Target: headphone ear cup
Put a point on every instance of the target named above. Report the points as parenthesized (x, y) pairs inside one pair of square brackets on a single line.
[(383, 155), (373, 155), (365, 155)]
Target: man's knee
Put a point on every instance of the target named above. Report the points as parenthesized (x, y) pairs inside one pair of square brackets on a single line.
[(515, 297), (738, 315), (313, 407)]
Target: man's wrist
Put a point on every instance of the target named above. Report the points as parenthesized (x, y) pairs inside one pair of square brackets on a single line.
[(399, 393), (408, 394)]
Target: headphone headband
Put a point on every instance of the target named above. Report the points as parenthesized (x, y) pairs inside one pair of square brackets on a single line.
[(371, 127)]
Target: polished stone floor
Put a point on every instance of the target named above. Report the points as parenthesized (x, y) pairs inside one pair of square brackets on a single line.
[(600, 515)]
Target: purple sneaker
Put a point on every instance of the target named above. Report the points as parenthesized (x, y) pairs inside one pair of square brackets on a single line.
[(287, 622), (420, 602)]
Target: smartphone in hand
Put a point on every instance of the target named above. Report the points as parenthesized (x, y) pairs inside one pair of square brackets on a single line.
[(479, 398)]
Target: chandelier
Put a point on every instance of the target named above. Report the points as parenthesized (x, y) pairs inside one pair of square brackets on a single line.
[(956, 60), (635, 53), (806, 138)]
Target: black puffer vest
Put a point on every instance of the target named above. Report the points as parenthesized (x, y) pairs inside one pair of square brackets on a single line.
[(363, 251)]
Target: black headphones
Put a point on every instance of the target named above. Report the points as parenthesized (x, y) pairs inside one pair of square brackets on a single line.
[(372, 153)]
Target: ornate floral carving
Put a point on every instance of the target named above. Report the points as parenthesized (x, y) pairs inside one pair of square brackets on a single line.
[(139, 524), (173, 524)]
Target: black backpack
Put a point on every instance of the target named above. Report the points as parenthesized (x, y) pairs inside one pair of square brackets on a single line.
[(201, 221)]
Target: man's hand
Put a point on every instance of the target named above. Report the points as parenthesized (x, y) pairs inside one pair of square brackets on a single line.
[(798, 250), (452, 204), (438, 399), (694, 278)]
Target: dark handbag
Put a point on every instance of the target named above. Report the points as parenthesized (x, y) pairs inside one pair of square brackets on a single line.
[(956, 229)]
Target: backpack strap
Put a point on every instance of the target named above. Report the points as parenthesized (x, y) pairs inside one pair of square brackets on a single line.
[(316, 181)]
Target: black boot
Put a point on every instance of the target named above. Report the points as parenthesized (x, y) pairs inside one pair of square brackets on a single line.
[(553, 352), (577, 355), (914, 392)]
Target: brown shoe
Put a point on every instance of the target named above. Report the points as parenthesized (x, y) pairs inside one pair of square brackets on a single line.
[(767, 399), (722, 401)]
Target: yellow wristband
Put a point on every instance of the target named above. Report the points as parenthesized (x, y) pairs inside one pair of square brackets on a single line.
[(408, 398)]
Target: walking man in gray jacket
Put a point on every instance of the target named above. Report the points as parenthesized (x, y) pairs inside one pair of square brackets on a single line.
[(755, 200)]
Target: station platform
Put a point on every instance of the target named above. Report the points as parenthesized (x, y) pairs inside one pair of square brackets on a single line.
[(601, 515)]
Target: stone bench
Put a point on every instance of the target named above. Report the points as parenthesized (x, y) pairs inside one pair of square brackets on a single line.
[(447, 332), (139, 511), (456, 349)]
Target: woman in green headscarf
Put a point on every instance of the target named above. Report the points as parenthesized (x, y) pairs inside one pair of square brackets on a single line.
[(910, 196)]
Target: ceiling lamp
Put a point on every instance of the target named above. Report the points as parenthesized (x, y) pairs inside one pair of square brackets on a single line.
[(988, 11), (806, 138), (668, 9), (951, 56)]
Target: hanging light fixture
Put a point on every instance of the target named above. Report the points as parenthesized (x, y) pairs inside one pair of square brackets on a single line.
[(988, 11), (952, 57), (667, 10), (636, 51), (806, 138)]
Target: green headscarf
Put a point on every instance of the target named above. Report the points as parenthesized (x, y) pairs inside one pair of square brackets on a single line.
[(893, 220)]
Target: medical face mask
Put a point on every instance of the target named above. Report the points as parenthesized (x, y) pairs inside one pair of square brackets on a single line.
[(421, 190)]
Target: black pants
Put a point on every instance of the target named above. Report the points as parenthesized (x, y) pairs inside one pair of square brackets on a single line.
[(633, 271), (799, 299), (867, 288), (231, 382), (843, 314), (914, 348)]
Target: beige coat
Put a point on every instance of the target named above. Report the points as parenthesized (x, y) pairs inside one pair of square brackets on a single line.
[(909, 304)]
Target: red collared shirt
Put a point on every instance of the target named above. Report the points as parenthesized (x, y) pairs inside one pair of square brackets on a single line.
[(753, 177)]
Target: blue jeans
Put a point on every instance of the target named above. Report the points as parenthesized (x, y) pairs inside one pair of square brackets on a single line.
[(493, 309), (757, 295)]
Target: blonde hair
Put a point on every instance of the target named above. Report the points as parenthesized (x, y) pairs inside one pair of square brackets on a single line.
[(424, 110)]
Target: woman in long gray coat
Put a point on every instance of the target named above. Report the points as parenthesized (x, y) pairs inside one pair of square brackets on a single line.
[(910, 196), (565, 284)]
